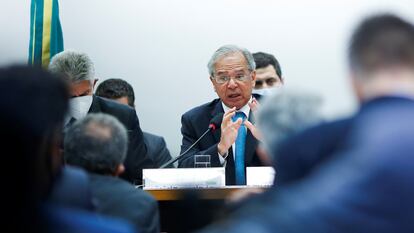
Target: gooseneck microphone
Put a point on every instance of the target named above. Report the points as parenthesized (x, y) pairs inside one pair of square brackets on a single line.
[(214, 124)]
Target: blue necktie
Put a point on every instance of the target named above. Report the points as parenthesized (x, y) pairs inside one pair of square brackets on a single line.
[(240, 143)]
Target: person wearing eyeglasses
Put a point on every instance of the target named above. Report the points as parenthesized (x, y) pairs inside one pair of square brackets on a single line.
[(233, 76), (268, 74)]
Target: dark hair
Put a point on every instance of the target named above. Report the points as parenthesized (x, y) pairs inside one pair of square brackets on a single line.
[(97, 143), (264, 59), (33, 104), (115, 88), (382, 41)]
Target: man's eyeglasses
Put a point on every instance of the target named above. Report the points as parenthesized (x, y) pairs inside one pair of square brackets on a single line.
[(241, 77)]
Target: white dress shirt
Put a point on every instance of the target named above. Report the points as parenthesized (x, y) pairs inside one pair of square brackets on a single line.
[(246, 110)]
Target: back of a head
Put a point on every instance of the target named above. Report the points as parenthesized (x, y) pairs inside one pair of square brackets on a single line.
[(33, 105), (73, 66), (97, 143), (263, 60), (285, 113), (381, 42), (115, 89)]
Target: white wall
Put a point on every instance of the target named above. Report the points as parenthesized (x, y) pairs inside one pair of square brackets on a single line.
[(162, 47)]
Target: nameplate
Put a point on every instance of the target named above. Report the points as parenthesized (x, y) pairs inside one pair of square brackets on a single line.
[(177, 178), (260, 176)]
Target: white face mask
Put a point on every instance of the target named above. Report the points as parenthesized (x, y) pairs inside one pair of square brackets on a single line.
[(267, 91), (79, 106)]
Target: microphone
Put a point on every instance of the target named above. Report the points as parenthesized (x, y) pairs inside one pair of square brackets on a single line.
[(214, 124)]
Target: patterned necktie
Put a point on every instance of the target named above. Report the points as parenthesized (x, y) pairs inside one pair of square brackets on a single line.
[(240, 144)]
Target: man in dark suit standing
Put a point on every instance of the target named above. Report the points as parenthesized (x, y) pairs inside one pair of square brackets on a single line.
[(78, 69), (363, 180), (122, 92), (232, 73), (98, 143)]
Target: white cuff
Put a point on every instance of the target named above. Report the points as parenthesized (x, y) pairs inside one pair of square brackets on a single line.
[(222, 160)]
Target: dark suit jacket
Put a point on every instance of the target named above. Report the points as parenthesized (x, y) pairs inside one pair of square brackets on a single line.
[(366, 186), (302, 153), (118, 198), (137, 158), (72, 179), (59, 219), (157, 149), (195, 122)]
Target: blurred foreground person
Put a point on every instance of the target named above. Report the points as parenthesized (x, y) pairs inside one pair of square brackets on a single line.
[(98, 143), (33, 104), (282, 115), (366, 184)]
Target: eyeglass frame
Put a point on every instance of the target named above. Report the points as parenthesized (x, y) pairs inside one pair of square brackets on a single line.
[(234, 78)]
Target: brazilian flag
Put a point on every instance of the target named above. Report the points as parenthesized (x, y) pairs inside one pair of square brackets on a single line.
[(46, 37)]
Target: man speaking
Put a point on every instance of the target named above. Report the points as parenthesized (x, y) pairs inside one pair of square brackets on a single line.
[(232, 73)]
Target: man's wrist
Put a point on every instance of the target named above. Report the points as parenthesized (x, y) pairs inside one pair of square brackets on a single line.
[(222, 151)]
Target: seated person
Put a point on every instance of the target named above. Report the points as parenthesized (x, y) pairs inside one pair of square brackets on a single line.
[(268, 73), (122, 92), (98, 143), (78, 70), (233, 75)]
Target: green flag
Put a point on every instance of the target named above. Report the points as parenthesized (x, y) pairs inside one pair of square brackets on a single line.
[(46, 37)]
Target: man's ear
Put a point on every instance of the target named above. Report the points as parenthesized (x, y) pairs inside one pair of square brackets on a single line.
[(357, 86), (212, 82), (94, 83), (119, 170), (253, 75)]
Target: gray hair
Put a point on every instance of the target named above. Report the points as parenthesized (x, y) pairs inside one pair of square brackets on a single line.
[(230, 49), (97, 143), (285, 113), (74, 66)]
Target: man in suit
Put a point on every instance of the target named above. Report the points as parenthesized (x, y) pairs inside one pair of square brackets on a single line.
[(232, 74), (98, 143), (268, 73), (78, 69), (362, 179), (122, 92)]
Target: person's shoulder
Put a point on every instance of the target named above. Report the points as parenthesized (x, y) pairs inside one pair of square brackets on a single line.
[(108, 105), (123, 112), (119, 185), (202, 110), (152, 136), (339, 125), (326, 135), (149, 137)]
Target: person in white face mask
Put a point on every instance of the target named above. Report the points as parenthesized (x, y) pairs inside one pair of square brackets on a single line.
[(78, 69), (268, 74)]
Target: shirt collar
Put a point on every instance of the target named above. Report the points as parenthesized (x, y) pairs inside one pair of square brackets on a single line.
[(245, 109)]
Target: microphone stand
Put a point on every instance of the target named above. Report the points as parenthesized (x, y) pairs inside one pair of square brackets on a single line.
[(186, 151)]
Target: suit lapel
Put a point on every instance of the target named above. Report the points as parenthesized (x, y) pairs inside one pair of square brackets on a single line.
[(96, 106), (216, 110), (251, 143)]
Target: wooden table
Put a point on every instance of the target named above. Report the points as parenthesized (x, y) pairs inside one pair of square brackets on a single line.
[(186, 210), (204, 193)]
